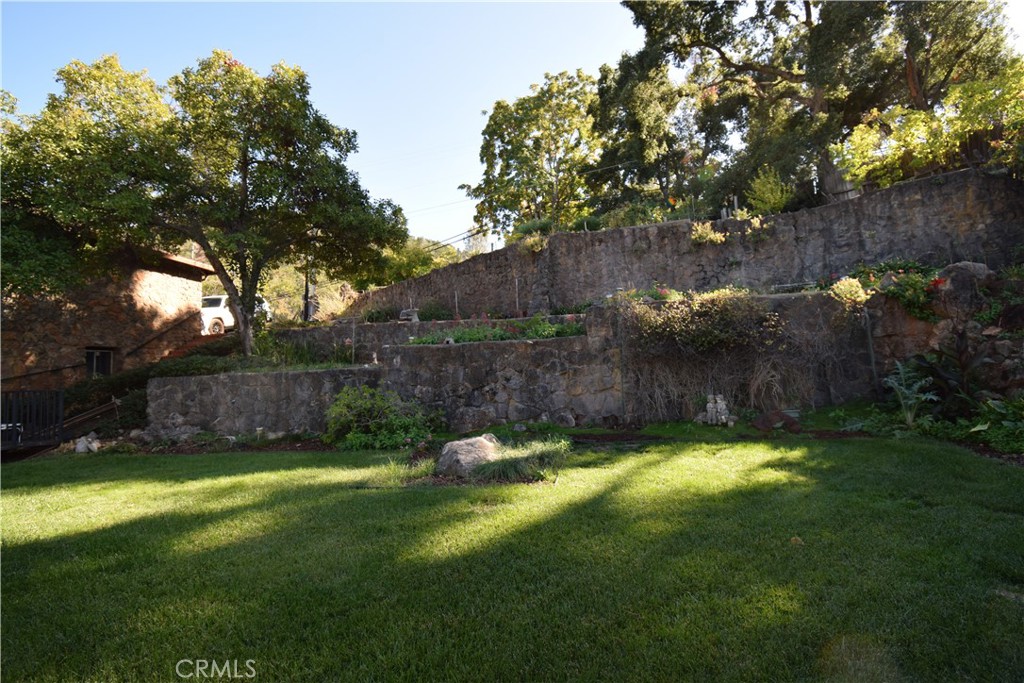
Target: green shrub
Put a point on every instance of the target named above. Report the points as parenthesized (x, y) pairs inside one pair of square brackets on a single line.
[(536, 327), (572, 309), (435, 311), (768, 194), (720, 320), (366, 418), (385, 314), (542, 227), (586, 224), (703, 232)]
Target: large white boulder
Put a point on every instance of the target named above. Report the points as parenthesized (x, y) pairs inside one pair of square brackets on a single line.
[(458, 458)]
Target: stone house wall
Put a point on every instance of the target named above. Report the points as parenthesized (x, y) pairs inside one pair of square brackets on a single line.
[(140, 316), (966, 215)]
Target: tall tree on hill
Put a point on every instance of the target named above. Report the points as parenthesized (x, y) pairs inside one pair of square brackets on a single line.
[(635, 115), (534, 152), (243, 165), (794, 76)]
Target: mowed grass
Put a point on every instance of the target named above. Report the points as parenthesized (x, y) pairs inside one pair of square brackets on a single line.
[(859, 560)]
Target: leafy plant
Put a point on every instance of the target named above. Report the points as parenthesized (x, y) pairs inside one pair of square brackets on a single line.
[(366, 418), (953, 372), (723, 319), (909, 389), (849, 292), (703, 232), (574, 309), (537, 327), (768, 193), (385, 314), (433, 310)]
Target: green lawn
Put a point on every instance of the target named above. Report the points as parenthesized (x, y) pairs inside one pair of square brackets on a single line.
[(795, 559)]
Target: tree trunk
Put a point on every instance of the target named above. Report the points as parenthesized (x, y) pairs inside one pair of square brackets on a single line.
[(244, 325), (831, 182)]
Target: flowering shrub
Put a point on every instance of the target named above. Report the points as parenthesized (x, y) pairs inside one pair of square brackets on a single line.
[(703, 232), (912, 285), (849, 292)]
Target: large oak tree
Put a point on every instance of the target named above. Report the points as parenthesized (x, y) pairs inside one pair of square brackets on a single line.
[(242, 164)]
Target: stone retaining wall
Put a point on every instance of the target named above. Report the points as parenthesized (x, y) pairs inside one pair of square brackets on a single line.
[(966, 215), (583, 380), (240, 403)]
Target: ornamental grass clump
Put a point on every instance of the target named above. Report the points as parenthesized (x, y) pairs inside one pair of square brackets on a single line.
[(532, 461)]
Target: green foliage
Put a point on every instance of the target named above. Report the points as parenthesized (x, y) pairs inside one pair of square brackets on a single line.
[(908, 387), (242, 165), (532, 461), (537, 327), (768, 193), (539, 227), (912, 284), (433, 310), (591, 223), (790, 79), (903, 141), (272, 350), (384, 314), (871, 275), (534, 153), (657, 292), (633, 213), (574, 309), (417, 257), (724, 320), (365, 418), (913, 291), (703, 232)]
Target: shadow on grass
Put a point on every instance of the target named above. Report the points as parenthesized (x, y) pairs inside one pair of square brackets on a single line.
[(793, 560)]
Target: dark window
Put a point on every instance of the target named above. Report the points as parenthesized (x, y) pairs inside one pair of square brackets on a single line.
[(99, 362)]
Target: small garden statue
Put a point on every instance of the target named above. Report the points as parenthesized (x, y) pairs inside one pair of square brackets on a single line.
[(716, 412)]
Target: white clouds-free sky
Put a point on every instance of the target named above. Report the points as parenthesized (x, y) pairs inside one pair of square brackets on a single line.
[(410, 78)]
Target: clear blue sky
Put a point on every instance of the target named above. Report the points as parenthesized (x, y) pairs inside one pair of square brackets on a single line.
[(410, 78)]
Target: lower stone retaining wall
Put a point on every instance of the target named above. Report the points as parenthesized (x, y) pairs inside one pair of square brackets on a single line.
[(583, 380), (568, 381), (241, 403)]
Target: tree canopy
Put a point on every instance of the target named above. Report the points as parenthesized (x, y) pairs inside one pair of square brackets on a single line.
[(242, 164), (534, 152)]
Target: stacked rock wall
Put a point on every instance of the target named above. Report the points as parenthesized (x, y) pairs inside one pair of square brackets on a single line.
[(944, 219)]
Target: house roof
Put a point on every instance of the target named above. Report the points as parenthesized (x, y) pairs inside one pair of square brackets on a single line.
[(162, 262)]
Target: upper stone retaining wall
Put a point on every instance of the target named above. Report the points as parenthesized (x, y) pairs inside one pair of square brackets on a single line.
[(960, 216)]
